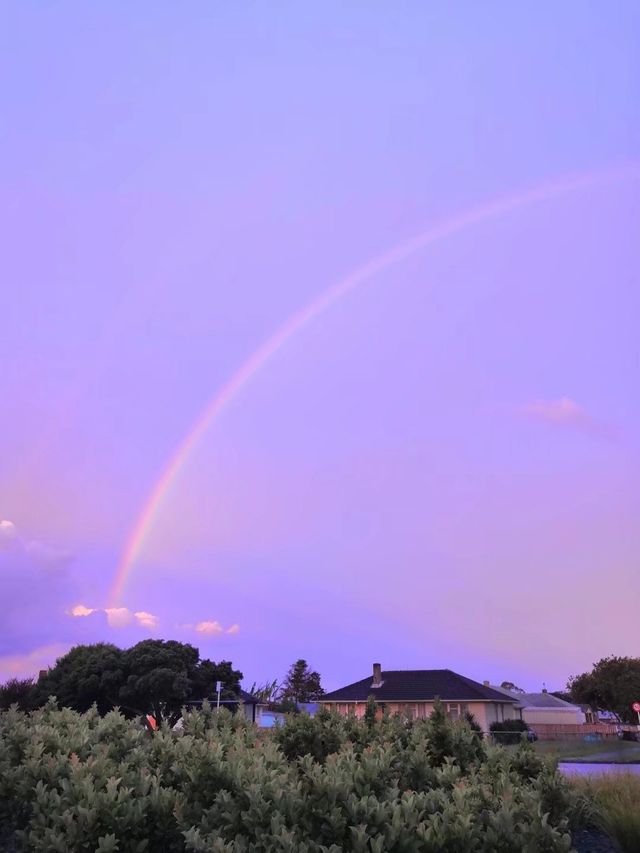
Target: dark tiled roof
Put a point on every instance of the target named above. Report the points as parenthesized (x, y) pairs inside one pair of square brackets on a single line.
[(546, 700), (418, 685), (248, 698)]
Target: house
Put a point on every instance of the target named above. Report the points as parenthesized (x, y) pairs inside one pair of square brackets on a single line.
[(413, 692), (545, 708)]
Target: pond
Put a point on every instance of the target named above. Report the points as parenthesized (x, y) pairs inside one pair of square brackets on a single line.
[(578, 768)]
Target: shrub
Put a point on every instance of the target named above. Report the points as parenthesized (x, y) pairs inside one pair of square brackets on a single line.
[(614, 806), (509, 731), (71, 781)]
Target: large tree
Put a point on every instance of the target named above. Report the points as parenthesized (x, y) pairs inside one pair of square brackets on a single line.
[(209, 673), (20, 692), (154, 677), (612, 685), (301, 684), (84, 676)]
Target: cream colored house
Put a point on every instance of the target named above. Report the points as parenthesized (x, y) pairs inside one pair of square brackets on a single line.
[(413, 692), (547, 709)]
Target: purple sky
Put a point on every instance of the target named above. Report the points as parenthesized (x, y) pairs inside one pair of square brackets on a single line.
[(440, 471)]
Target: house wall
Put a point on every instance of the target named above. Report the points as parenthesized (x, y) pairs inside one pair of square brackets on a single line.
[(484, 712), (553, 716)]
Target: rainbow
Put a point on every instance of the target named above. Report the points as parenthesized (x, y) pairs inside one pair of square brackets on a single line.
[(447, 228)]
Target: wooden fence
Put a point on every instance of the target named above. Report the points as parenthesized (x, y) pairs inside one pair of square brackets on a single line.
[(575, 731)]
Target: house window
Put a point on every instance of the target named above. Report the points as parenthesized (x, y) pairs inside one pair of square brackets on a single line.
[(455, 710), (409, 710)]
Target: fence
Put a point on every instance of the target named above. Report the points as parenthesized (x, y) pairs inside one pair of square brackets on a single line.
[(572, 731)]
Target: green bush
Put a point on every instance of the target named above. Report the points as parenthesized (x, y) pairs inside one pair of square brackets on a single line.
[(81, 782), (509, 731)]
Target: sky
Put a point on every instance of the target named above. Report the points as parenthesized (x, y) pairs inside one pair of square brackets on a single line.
[(438, 469)]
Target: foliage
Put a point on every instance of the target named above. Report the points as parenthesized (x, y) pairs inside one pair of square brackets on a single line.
[(370, 712), (614, 800), (509, 731), (207, 673), (301, 684), (72, 781), (20, 692), (267, 693), (473, 724), (153, 677), (85, 676), (612, 685), (509, 685)]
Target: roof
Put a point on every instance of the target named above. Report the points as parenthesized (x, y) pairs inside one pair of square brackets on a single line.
[(418, 685), (248, 698), (539, 700), (547, 700)]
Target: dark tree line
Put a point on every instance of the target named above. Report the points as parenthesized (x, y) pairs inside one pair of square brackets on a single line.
[(155, 677), (612, 685)]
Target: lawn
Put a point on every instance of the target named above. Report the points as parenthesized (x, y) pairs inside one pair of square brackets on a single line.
[(612, 751)]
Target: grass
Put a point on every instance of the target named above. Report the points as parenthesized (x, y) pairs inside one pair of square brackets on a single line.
[(612, 751), (617, 806)]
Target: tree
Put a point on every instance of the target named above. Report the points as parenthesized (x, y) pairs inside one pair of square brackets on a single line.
[(509, 685), (612, 685), (20, 692), (301, 684), (160, 676), (439, 734), (207, 674), (154, 677), (84, 676), (268, 692)]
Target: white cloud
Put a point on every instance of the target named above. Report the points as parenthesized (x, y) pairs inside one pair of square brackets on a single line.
[(147, 620), (81, 610), (118, 617), (29, 664), (8, 530), (210, 628)]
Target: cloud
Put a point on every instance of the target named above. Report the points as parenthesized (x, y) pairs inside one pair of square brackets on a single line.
[(565, 412), (118, 617), (147, 620), (8, 530), (81, 610), (29, 664), (38, 553), (211, 628)]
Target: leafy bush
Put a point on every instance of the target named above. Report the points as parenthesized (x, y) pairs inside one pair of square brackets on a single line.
[(71, 781), (509, 731)]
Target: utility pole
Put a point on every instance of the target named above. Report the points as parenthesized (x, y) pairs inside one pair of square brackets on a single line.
[(219, 690)]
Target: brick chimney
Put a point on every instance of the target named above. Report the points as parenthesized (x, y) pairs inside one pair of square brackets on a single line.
[(377, 675)]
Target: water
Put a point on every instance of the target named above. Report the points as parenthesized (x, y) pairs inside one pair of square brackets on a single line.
[(572, 768)]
